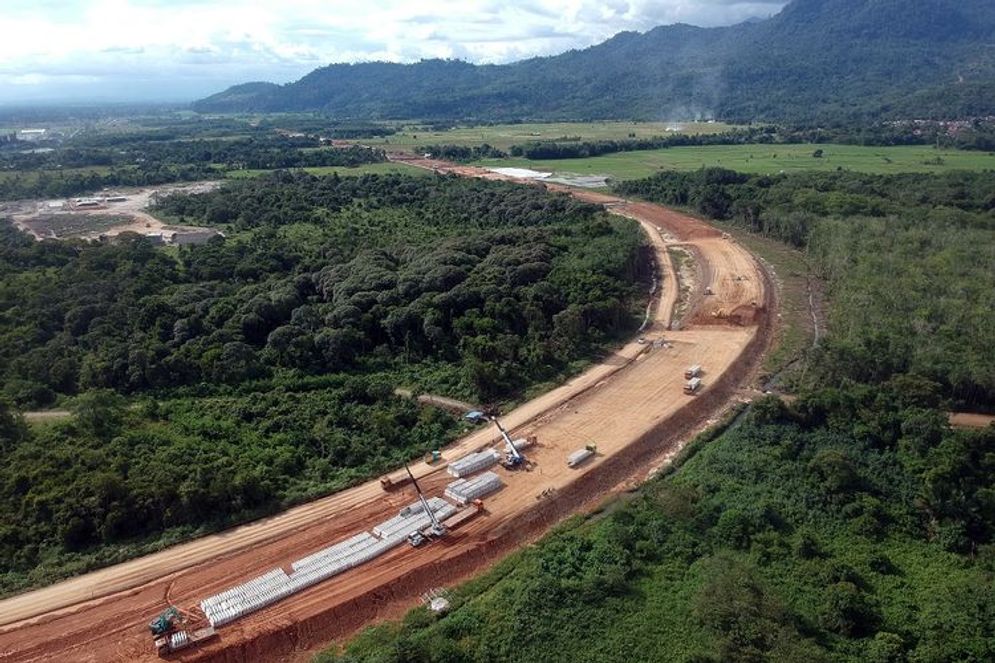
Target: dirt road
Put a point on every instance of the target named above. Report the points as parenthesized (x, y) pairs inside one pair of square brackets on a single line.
[(631, 405)]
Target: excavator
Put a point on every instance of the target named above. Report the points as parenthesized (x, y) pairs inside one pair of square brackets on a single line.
[(165, 622)]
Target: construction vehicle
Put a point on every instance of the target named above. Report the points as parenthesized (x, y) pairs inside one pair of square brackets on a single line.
[(513, 458), (692, 371), (168, 633), (433, 456), (165, 622), (167, 644), (474, 509), (436, 529), (389, 483), (475, 417), (692, 386), (581, 455)]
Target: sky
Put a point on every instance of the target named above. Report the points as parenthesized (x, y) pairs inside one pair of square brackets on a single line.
[(181, 50)]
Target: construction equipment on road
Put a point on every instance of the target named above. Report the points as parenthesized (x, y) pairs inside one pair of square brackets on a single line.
[(433, 456), (581, 455), (692, 386), (168, 644), (436, 529), (475, 417), (474, 509), (513, 458), (692, 371), (165, 622), (388, 482)]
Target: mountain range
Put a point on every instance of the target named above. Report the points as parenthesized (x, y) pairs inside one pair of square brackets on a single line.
[(826, 61)]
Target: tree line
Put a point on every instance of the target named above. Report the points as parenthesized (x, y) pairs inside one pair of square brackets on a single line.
[(976, 135)]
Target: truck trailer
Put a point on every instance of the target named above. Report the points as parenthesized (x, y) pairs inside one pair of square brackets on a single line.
[(178, 640), (692, 386)]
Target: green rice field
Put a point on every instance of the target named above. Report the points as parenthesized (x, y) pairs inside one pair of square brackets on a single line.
[(503, 136), (764, 159)]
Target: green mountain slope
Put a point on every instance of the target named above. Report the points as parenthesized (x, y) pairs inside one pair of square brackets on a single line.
[(818, 60)]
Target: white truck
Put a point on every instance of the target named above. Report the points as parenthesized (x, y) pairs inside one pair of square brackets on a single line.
[(692, 386)]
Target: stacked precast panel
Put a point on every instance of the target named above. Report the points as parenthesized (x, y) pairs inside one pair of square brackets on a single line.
[(337, 551), (474, 462), (401, 526), (464, 491), (255, 594), (248, 597)]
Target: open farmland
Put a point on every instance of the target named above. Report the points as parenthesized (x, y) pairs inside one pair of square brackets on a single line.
[(764, 159), (503, 136)]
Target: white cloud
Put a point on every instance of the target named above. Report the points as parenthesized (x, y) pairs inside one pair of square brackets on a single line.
[(125, 48)]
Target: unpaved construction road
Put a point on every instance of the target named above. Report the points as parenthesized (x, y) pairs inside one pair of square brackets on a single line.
[(631, 405)]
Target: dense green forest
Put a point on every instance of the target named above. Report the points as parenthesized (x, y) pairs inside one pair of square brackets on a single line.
[(826, 62), (261, 366), (159, 156), (852, 525), (908, 260)]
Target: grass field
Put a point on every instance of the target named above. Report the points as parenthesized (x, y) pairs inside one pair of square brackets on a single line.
[(344, 171), (505, 135), (33, 175), (765, 159)]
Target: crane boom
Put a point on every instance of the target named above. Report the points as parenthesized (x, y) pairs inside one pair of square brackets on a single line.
[(437, 527), (512, 449)]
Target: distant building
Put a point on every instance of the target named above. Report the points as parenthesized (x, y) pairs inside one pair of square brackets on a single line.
[(188, 238), (29, 135)]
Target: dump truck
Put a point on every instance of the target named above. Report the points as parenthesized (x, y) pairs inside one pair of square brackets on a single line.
[(692, 371), (167, 644), (692, 386), (388, 482)]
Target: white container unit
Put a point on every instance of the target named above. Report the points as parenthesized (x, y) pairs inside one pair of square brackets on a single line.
[(578, 457), (474, 462)]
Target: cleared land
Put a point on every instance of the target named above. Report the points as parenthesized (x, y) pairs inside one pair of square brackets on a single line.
[(504, 136), (109, 219), (631, 405), (763, 159)]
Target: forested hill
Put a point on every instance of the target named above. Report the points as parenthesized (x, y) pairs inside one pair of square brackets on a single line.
[(818, 60)]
